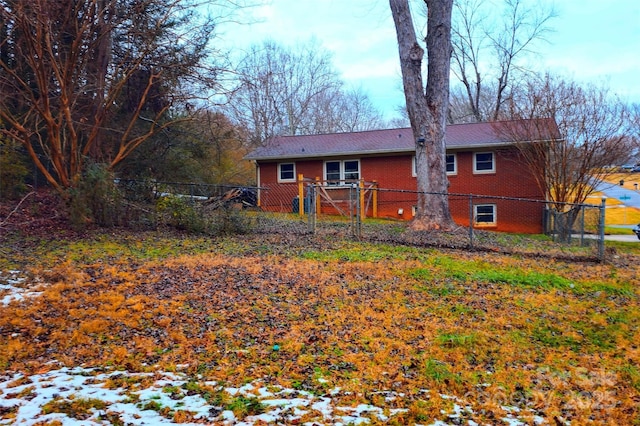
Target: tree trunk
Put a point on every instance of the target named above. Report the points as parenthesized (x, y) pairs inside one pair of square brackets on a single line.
[(427, 110)]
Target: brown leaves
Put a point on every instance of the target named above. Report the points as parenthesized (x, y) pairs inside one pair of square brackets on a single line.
[(404, 322)]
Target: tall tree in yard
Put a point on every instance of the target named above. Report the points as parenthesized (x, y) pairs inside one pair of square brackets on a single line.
[(427, 106), (94, 79)]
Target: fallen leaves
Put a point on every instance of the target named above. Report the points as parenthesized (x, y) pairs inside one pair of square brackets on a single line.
[(493, 330)]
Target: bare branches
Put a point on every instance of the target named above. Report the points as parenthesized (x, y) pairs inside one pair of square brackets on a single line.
[(285, 91), (6, 219), (487, 52), (71, 71), (595, 136)]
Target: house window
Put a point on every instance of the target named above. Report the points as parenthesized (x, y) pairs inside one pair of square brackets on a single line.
[(484, 214), (287, 172), (352, 170), (452, 164), (483, 162), (337, 172)]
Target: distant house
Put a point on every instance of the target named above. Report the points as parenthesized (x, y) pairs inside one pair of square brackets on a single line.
[(482, 159)]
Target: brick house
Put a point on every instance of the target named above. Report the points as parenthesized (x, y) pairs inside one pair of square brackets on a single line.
[(482, 159)]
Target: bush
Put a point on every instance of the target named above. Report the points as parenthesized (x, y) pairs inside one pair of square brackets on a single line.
[(229, 220), (13, 171), (180, 212), (183, 213), (96, 199)]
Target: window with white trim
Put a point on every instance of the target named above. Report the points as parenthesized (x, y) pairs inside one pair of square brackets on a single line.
[(452, 164), (286, 172), (484, 214), (484, 162), (337, 172)]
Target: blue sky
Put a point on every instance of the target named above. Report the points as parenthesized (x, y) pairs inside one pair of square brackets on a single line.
[(592, 41)]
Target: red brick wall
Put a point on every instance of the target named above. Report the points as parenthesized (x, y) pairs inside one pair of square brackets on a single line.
[(394, 174)]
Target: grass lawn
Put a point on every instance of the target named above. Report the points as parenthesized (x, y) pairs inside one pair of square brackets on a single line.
[(387, 334)]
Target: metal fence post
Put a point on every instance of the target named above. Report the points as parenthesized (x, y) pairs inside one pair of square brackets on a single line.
[(603, 206), (471, 220), (359, 200), (311, 219), (582, 230)]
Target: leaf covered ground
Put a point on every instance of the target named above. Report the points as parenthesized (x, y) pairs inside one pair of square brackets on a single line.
[(412, 331)]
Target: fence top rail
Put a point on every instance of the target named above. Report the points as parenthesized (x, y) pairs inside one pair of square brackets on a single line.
[(338, 182), (495, 197), (210, 185)]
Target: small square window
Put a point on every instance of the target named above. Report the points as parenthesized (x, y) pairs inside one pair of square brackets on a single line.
[(452, 164), (286, 172), (483, 162), (484, 214)]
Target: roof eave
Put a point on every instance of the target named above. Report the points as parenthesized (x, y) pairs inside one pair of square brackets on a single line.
[(329, 154), (305, 156)]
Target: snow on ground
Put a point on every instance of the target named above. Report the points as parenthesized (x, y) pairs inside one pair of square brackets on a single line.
[(12, 287), (160, 397)]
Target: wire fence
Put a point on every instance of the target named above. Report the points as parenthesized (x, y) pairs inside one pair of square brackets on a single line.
[(365, 211)]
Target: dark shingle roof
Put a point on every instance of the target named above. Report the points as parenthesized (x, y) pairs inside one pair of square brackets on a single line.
[(458, 136)]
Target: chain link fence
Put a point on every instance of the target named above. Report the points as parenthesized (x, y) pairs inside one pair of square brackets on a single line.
[(364, 211)]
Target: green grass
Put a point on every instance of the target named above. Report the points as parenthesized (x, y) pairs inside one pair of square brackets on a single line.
[(99, 248), (520, 278), (438, 371), (245, 406), (455, 340), (444, 267), (616, 230), (364, 252)]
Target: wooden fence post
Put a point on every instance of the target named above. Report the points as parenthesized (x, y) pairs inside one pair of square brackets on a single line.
[(374, 188)]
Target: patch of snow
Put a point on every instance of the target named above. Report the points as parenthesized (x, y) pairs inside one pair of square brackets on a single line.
[(22, 399), (11, 287)]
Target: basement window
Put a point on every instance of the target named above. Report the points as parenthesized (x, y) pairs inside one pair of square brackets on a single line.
[(484, 214)]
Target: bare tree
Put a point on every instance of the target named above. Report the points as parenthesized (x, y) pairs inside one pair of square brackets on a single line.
[(95, 78), (292, 91), (635, 127), (343, 111), (427, 106), (596, 135), (487, 53)]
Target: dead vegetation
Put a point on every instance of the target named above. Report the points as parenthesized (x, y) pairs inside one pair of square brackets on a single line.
[(555, 338)]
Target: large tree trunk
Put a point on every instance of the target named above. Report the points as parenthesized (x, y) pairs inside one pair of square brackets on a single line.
[(427, 109)]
